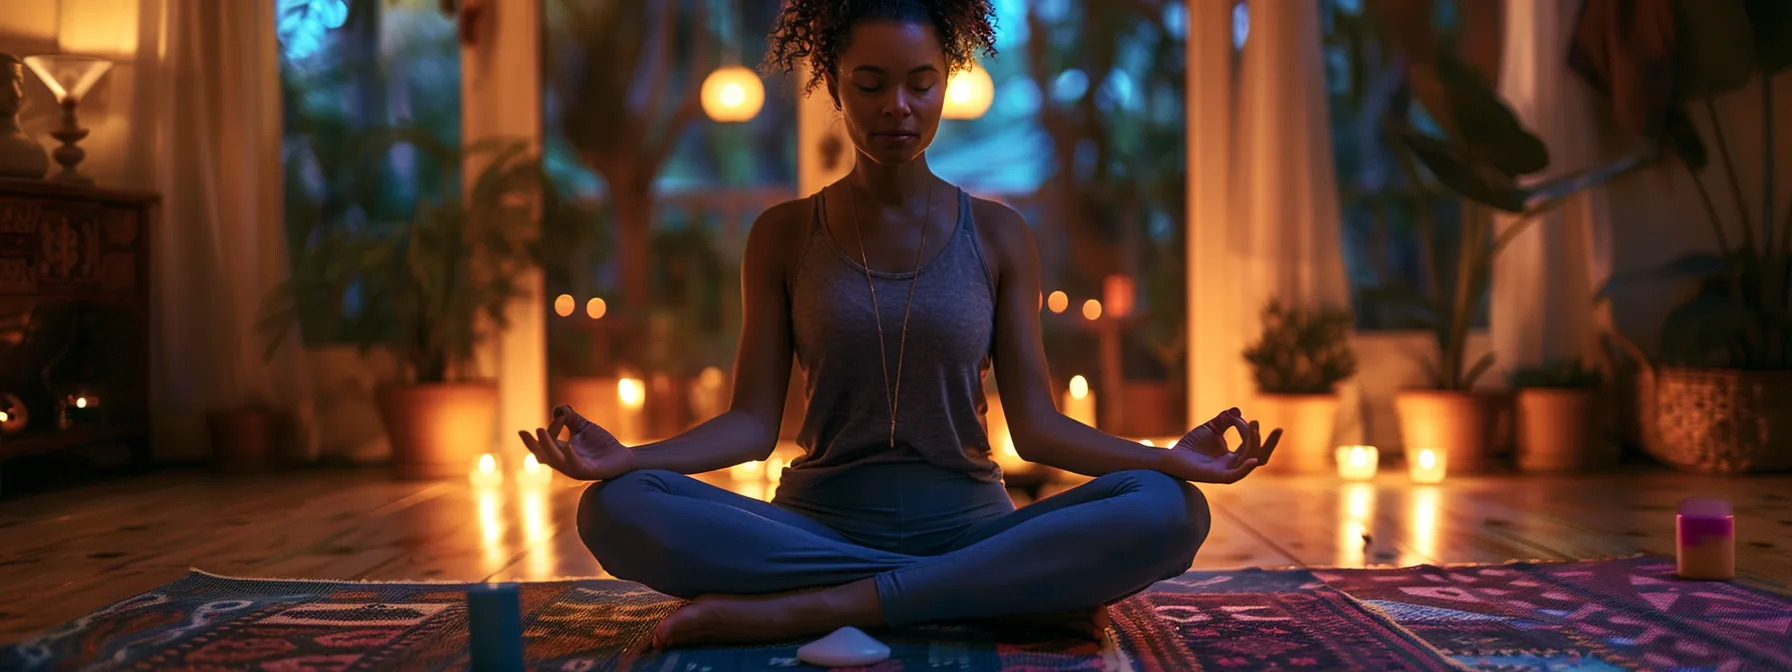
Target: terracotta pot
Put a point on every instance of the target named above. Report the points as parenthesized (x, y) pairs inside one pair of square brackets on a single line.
[(1465, 425), (1561, 430), (1153, 409), (247, 439), (668, 405), (437, 431), (1306, 421), (596, 398)]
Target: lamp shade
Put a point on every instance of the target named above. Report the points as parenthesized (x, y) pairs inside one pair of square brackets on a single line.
[(969, 93), (68, 77), (733, 94)]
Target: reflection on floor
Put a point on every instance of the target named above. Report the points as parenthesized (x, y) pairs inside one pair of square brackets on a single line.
[(67, 553)]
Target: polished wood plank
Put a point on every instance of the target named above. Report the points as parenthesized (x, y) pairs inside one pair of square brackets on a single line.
[(67, 553)]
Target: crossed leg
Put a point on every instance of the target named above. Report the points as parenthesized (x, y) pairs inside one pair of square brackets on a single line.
[(747, 563)]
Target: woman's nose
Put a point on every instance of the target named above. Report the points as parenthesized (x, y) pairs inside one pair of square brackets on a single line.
[(899, 106)]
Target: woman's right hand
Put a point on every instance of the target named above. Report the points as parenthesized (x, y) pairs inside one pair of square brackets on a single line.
[(592, 454)]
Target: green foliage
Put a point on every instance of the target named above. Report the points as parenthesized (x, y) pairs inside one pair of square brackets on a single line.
[(435, 286), (1302, 350), (1564, 374), (1739, 315)]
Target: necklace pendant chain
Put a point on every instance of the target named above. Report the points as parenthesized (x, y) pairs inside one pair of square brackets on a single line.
[(892, 397)]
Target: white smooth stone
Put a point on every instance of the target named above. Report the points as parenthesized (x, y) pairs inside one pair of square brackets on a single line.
[(846, 647)]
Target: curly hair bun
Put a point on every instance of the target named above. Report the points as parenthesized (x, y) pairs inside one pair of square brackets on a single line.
[(818, 30)]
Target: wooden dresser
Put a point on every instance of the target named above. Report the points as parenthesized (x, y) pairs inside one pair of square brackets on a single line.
[(74, 317)]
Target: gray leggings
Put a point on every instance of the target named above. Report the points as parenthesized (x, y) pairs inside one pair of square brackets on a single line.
[(940, 546)]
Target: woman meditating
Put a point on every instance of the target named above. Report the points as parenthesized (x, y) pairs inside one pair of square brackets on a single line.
[(896, 292)]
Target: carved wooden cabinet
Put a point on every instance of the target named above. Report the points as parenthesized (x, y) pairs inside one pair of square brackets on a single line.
[(74, 317)]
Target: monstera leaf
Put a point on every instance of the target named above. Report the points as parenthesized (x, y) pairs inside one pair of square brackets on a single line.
[(1458, 167), (1477, 117)]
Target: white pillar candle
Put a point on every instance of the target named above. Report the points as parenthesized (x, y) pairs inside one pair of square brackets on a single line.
[(1705, 539), (1079, 401), (1358, 463), (631, 396), (1428, 466)]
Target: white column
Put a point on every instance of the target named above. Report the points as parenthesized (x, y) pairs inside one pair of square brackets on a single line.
[(1216, 375), (501, 97), (1541, 302)]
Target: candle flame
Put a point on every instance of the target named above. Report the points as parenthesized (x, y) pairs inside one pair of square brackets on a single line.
[(530, 464), (488, 463), (5, 417), (80, 402), (1079, 387), (629, 391), (1359, 457), (1427, 459), (1147, 442)]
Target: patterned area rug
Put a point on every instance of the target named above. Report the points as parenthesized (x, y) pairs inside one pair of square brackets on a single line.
[(1622, 614)]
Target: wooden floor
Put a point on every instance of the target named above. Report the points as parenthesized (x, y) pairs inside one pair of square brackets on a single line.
[(67, 553)]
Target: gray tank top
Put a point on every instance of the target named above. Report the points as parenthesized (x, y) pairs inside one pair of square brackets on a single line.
[(951, 328)]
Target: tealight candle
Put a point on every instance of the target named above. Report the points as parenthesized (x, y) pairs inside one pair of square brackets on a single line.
[(1079, 401), (495, 627), (1705, 539), (631, 395), (1358, 463), (746, 471), (534, 472), (1427, 468), (485, 472)]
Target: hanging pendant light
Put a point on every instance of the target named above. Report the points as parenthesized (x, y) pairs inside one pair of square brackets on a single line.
[(969, 93), (733, 94)]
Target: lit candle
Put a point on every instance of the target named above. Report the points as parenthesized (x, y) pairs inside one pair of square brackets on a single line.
[(774, 469), (495, 627), (1358, 463), (709, 396), (1079, 402), (1705, 544), (534, 472), (746, 471), (1427, 468), (630, 421), (485, 472)]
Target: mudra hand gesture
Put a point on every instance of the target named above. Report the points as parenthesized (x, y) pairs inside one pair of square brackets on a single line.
[(592, 454), (1202, 456)]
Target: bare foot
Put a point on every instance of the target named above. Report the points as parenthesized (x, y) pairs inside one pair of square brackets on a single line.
[(749, 619)]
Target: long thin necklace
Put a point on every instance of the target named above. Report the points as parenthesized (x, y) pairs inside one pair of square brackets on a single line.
[(892, 397)]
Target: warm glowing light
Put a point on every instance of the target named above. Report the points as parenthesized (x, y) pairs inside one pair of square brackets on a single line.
[(711, 377), (1092, 310), (1358, 463), (630, 393), (595, 308), (1424, 527), (774, 469), (732, 94), (1355, 518), (531, 465), (80, 402), (969, 93), (563, 305), (485, 472), (1118, 291), (745, 470), (1428, 466), (5, 417), (1079, 387), (1147, 442), (68, 77), (1058, 302)]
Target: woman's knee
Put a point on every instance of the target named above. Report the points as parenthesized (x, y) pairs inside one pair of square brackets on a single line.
[(608, 516), (1175, 513)]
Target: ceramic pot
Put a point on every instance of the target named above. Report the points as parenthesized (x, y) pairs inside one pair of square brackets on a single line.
[(1560, 430), (1306, 421), (594, 397), (1153, 409), (438, 430), (1467, 426)]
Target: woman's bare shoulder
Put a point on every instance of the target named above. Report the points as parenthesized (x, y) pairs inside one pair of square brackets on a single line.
[(778, 232), (1001, 229)]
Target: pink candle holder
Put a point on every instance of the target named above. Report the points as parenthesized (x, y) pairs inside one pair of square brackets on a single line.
[(1705, 539)]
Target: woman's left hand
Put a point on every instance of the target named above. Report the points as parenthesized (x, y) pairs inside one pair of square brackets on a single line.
[(1202, 456)]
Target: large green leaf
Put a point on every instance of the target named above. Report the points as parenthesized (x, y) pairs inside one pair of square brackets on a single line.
[(1466, 173), (1482, 121), (1772, 24), (1716, 47), (1699, 266)]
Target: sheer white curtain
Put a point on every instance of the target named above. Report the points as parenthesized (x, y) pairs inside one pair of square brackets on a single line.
[(1541, 302), (1263, 194), (210, 100)]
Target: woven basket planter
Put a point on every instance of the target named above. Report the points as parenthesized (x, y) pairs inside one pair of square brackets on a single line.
[(1717, 421)]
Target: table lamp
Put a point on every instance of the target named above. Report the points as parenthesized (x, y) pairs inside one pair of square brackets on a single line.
[(69, 77)]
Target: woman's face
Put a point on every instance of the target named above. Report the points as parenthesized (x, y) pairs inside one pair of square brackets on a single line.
[(890, 87)]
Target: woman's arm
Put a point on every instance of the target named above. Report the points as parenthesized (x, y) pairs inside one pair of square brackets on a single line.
[(1041, 433), (749, 429)]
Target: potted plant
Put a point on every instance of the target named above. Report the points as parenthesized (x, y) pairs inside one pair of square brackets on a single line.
[(430, 290), (1560, 426), (1472, 144), (1298, 362), (1717, 398)]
